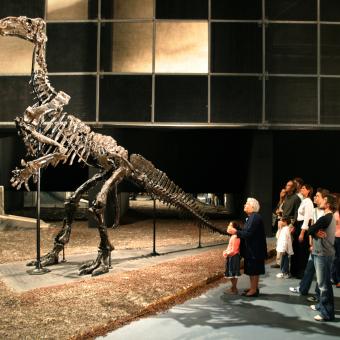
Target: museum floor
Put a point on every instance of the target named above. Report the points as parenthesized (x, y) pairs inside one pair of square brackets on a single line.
[(275, 314)]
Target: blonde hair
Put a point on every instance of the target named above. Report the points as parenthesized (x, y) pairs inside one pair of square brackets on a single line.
[(254, 203)]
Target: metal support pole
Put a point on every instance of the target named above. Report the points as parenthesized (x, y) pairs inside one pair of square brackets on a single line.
[(199, 237), (154, 253), (38, 270)]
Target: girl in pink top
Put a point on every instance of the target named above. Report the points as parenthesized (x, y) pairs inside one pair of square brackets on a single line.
[(232, 264)]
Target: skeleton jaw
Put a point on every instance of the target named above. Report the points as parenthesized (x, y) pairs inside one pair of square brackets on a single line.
[(23, 27)]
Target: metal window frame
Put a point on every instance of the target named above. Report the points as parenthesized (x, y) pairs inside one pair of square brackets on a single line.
[(264, 22)]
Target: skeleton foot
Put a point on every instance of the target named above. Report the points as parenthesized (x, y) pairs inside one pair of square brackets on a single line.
[(97, 267), (47, 260)]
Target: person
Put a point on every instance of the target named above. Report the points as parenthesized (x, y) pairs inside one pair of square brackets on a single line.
[(255, 251), (292, 202), (285, 248), (323, 234), (233, 259), (277, 214), (276, 217), (336, 262), (299, 182), (300, 236), (289, 210), (308, 276)]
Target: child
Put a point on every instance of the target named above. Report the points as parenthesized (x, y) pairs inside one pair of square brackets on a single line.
[(284, 246), (232, 264)]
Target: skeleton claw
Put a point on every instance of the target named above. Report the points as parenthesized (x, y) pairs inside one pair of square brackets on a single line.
[(49, 259), (97, 267)]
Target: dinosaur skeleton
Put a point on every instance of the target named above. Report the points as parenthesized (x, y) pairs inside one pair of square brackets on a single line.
[(52, 136)]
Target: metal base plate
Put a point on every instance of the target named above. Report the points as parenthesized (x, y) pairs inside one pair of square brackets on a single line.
[(38, 271)]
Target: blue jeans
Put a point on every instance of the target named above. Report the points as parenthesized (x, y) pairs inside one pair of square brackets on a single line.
[(323, 266), (308, 277), (284, 266), (336, 263)]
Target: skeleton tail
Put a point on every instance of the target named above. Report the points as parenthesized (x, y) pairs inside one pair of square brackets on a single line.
[(157, 183)]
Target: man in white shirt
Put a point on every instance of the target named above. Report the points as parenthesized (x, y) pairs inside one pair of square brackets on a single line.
[(308, 276)]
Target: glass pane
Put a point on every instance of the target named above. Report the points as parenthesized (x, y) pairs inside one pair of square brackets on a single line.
[(236, 47), (82, 90), (291, 100), (182, 47), (15, 55), (126, 47), (236, 99), (330, 49), (127, 9), (15, 96), (330, 101), (181, 99), (71, 9), (291, 48), (31, 9), (236, 9), (76, 52), (291, 9), (125, 98), (181, 9), (330, 10)]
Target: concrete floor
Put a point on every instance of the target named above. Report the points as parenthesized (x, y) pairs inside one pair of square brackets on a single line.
[(15, 274), (276, 314)]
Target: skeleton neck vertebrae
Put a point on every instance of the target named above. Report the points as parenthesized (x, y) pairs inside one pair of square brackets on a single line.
[(52, 135)]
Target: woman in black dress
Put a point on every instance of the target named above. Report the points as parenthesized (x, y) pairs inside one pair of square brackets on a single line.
[(255, 251)]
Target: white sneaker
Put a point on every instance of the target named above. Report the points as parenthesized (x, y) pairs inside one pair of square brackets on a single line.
[(279, 275), (313, 307), (286, 276), (295, 289), (318, 318)]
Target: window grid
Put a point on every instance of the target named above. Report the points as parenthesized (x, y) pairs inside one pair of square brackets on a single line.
[(263, 22)]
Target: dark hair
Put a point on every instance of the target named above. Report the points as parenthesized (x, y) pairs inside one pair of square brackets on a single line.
[(309, 188), (332, 202), (286, 219), (299, 180), (337, 196), (322, 191)]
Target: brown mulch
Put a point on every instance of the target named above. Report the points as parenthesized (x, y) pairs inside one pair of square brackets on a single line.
[(19, 245), (87, 308)]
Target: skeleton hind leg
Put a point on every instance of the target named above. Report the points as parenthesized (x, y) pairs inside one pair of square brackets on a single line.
[(63, 237), (101, 264)]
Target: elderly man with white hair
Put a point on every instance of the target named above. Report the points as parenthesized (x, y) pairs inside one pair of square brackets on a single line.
[(255, 251)]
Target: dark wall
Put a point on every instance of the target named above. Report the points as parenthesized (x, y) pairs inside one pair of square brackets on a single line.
[(311, 155), (198, 160), (10, 151)]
